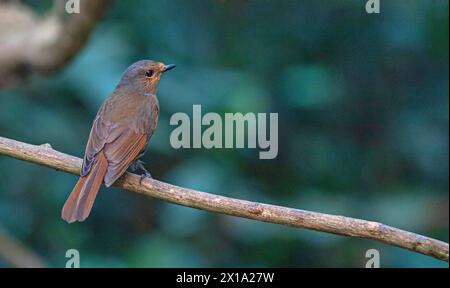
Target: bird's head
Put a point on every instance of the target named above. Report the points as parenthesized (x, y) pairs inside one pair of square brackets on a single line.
[(144, 75)]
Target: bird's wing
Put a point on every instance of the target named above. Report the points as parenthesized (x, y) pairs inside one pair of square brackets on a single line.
[(122, 152), (120, 143), (100, 132)]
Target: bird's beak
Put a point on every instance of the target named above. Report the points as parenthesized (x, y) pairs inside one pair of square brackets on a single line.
[(168, 67)]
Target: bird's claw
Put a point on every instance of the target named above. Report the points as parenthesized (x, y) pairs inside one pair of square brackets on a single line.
[(144, 175)]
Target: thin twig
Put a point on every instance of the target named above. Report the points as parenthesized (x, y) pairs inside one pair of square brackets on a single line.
[(346, 226)]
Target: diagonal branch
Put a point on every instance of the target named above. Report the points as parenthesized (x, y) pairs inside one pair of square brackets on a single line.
[(30, 43), (17, 254), (346, 226)]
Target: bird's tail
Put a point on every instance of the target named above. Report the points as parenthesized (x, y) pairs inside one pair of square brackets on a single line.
[(79, 204)]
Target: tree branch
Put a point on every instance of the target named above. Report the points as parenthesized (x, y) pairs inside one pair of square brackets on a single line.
[(33, 44), (17, 254), (346, 226)]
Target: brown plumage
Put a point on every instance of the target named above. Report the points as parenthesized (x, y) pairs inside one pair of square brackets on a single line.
[(119, 135)]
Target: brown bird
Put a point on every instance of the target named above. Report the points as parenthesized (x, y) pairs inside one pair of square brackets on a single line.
[(121, 130)]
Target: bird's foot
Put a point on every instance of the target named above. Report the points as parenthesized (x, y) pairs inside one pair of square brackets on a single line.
[(140, 165), (144, 175)]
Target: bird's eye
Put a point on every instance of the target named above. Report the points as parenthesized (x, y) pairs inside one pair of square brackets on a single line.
[(149, 73)]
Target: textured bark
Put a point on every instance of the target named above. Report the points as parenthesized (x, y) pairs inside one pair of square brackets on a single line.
[(341, 225)]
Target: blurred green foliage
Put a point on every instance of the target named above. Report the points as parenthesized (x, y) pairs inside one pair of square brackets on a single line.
[(363, 122)]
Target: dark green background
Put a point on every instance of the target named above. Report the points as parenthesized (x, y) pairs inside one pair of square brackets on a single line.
[(363, 103)]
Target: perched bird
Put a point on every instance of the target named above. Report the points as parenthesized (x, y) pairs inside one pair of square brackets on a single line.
[(121, 130)]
